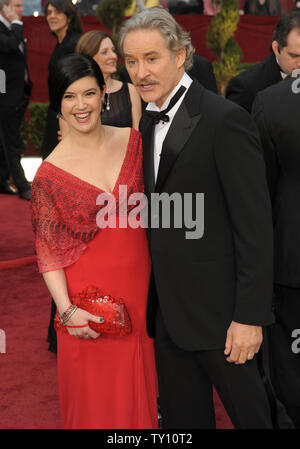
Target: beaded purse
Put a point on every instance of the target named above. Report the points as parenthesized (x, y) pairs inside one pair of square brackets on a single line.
[(116, 319)]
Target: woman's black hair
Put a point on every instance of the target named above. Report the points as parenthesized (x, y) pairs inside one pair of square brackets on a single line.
[(70, 10), (69, 69)]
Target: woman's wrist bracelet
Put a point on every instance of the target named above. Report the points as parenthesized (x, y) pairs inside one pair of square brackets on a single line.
[(66, 312), (64, 318)]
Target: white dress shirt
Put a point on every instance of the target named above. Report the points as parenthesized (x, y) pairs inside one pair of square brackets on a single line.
[(283, 75), (162, 128)]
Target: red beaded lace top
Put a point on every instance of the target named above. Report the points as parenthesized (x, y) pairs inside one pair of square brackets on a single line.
[(64, 209)]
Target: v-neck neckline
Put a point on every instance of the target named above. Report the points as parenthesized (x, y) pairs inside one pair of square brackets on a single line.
[(127, 151)]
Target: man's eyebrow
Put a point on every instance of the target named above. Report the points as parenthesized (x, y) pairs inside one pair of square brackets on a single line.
[(293, 54), (148, 53)]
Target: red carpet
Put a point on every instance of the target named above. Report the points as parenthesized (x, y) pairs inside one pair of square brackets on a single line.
[(28, 378)]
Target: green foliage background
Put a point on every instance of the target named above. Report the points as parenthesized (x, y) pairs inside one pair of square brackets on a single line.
[(220, 40), (111, 14), (33, 129)]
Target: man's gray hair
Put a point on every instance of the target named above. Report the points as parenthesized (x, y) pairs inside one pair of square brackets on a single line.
[(3, 2), (160, 19)]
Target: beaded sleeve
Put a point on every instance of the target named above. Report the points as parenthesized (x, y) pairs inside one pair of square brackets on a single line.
[(64, 209)]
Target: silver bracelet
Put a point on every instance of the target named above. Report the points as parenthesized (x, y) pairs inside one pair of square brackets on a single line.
[(63, 322)]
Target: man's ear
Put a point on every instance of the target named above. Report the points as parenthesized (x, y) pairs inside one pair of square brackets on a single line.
[(180, 57), (275, 48)]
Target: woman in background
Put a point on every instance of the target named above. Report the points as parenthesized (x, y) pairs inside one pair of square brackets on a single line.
[(122, 106)]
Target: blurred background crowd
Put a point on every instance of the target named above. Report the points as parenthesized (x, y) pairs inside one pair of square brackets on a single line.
[(209, 7)]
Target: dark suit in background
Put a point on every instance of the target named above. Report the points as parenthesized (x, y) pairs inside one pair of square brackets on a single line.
[(13, 104), (62, 49), (276, 113), (243, 88), (199, 286)]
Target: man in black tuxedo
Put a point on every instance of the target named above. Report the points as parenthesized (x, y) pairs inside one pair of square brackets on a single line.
[(210, 289), (14, 101), (276, 113), (284, 58)]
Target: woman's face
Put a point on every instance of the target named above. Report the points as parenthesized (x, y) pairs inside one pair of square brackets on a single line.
[(81, 104), (107, 57), (58, 21)]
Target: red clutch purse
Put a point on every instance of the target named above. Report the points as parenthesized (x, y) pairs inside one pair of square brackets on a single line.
[(112, 310)]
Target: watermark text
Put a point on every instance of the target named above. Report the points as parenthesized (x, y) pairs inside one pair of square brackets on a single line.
[(166, 211)]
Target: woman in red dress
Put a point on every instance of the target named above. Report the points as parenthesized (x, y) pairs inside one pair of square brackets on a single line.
[(105, 380)]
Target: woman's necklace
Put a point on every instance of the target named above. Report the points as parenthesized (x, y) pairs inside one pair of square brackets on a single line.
[(107, 104)]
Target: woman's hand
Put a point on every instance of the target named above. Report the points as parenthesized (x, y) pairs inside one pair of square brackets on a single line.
[(79, 324)]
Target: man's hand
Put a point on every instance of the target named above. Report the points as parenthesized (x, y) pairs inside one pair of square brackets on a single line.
[(243, 342), (10, 13)]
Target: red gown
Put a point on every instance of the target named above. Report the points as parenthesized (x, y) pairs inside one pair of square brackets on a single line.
[(109, 382)]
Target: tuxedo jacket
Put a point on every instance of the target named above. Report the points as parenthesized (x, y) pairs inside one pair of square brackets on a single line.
[(13, 62), (201, 285), (276, 113), (243, 88)]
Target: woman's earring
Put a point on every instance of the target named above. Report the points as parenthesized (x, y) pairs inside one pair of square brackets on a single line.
[(105, 104)]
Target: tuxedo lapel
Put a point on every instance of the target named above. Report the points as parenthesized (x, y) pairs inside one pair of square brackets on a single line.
[(183, 125)]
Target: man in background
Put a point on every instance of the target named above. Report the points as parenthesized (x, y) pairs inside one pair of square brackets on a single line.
[(14, 101), (284, 58), (276, 113)]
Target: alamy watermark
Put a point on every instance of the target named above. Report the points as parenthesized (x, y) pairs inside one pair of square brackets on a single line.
[(2, 82), (167, 211), (2, 342), (296, 83), (296, 343)]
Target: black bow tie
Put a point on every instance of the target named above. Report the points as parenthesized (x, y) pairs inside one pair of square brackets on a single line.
[(163, 115)]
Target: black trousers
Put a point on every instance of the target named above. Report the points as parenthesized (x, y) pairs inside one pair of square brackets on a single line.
[(284, 362), (11, 146), (186, 380)]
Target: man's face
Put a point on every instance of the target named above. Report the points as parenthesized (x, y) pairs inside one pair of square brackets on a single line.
[(17, 5), (153, 69), (289, 57)]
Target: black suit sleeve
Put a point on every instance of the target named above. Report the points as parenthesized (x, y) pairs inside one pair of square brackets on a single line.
[(239, 93), (9, 42), (270, 154), (241, 170)]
